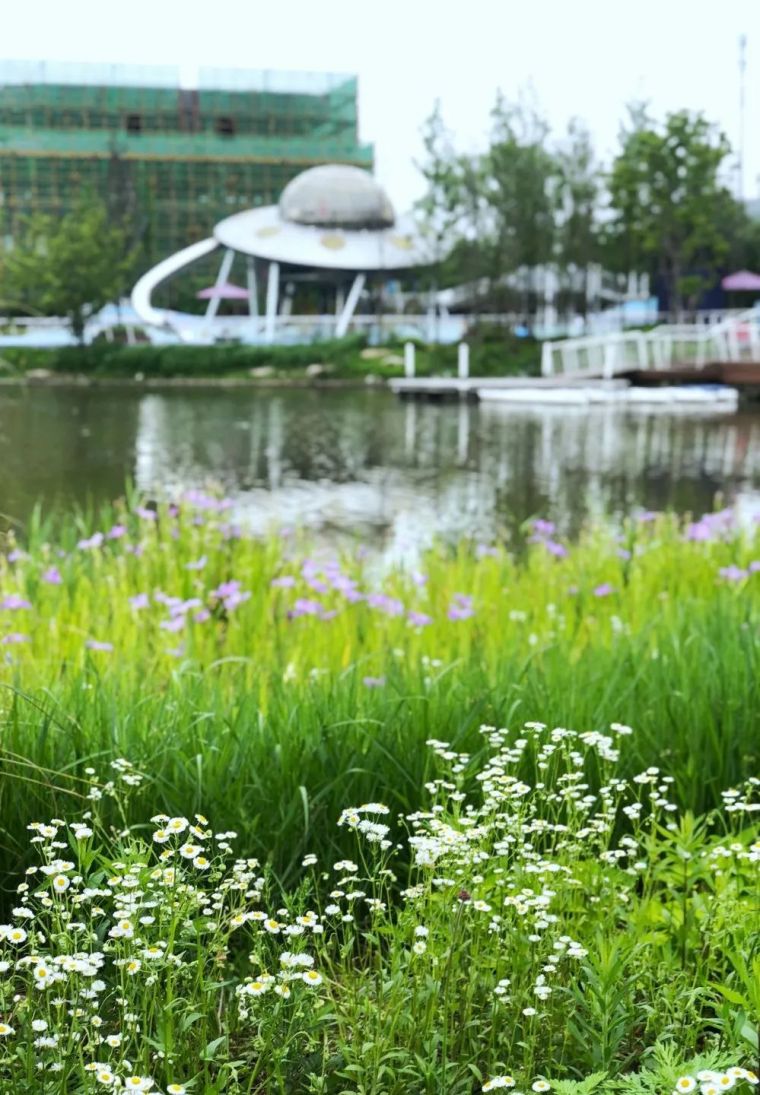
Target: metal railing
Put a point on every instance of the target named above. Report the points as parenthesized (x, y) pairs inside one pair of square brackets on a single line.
[(734, 338)]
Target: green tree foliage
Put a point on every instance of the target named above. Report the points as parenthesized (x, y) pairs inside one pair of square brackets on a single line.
[(68, 267), (671, 213)]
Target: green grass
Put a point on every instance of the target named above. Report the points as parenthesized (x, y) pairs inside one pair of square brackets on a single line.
[(496, 353), (272, 717)]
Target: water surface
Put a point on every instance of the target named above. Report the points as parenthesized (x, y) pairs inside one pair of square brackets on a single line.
[(366, 465)]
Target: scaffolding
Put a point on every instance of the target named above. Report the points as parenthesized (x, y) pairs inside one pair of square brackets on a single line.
[(167, 156)]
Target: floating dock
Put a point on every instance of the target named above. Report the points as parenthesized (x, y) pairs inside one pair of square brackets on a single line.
[(567, 391)]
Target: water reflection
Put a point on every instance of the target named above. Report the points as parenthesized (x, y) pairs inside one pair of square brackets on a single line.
[(365, 464)]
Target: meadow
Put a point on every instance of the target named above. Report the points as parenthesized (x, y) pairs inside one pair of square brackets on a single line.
[(276, 819)]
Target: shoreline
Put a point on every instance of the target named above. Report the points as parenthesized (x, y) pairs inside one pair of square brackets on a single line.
[(72, 380)]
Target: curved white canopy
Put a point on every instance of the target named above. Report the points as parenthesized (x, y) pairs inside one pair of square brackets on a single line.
[(263, 233)]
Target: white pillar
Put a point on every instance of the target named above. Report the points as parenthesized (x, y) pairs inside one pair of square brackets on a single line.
[(224, 272), (409, 352), (253, 288), (348, 308), (463, 361), (547, 362), (273, 289), (287, 299)]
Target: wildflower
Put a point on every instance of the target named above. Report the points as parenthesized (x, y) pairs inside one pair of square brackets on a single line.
[(16, 935), (14, 637), (61, 883), (52, 576), (96, 644), (138, 1083), (498, 1081), (42, 974), (105, 1076), (311, 977), (373, 682), (604, 590), (419, 947), (190, 851), (39, 1025), (272, 926), (13, 602), (176, 1089), (257, 988), (139, 601), (6, 1030), (541, 1085)]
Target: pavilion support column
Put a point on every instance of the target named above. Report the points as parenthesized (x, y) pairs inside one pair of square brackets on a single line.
[(221, 277), (253, 287), (349, 307), (273, 292)]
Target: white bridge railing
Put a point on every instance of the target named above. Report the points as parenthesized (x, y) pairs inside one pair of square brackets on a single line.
[(735, 338)]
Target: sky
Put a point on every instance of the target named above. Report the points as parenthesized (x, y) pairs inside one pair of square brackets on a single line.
[(584, 58)]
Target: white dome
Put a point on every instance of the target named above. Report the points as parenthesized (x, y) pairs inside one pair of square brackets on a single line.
[(336, 196)]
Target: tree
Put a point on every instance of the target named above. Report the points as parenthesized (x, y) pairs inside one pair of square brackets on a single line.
[(668, 204), (70, 267), (578, 227), (523, 185)]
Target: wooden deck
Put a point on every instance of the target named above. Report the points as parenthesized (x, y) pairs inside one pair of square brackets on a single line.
[(737, 374)]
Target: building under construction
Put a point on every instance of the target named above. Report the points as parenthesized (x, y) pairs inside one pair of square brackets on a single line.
[(168, 160)]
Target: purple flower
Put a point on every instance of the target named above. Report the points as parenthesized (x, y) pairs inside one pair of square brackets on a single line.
[(140, 600), (484, 550), (287, 581), (52, 576), (174, 623), (234, 599), (177, 651), (419, 619), (754, 566), (555, 548), (146, 514), (181, 608), (460, 612), (543, 528), (135, 549), (199, 564), (604, 590), (14, 601), (201, 616), (373, 682), (116, 532), (14, 637), (733, 573), (226, 589), (624, 554), (16, 555), (306, 607), (93, 542), (96, 644), (647, 516), (419, 579), (390, 605)]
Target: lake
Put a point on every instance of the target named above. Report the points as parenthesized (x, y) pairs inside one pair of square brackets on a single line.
[(363, 464)]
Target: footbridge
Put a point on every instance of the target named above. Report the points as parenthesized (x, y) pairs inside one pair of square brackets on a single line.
[(724, 352)]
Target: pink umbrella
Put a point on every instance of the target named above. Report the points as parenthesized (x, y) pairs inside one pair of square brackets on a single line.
[(226, 291), (743, 281)]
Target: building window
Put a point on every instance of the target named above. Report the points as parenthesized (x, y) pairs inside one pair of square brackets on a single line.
[(134, 123), (225, 126)]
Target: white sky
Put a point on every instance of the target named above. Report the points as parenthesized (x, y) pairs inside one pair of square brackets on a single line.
[(582, 57)]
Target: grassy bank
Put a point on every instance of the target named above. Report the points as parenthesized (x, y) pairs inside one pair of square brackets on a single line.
[(565, 907), (348, 358)]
